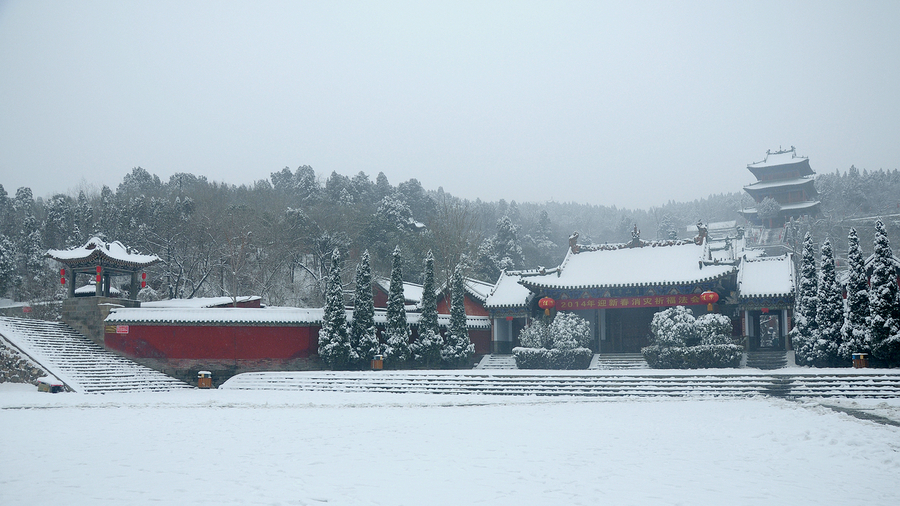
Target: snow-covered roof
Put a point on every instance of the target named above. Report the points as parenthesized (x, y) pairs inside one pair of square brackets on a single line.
[(795, 206), (258, 316), (477, 288), (97, 251), (653, 264), (507, 292), (233, 316), (412, 292), (766, 185), (198, 302), (766, 277), (781, 157), (91, 289)]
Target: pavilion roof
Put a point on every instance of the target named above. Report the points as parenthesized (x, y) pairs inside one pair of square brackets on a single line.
[(105, 254), (664, 263), (508, 292), (766, 277)]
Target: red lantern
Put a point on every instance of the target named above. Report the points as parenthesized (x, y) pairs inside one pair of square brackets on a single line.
[(143, 280), (546, 304), (98, 269), (710, 298), (62, 281), (62, 272)]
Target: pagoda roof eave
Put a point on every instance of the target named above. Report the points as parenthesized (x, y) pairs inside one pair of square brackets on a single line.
[(97, 252), (535, 286)]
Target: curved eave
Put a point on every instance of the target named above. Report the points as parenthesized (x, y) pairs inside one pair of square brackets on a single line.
[(226, 323), (96, 257), (800, 166), (768, 189), (630, 285), (764, 296)]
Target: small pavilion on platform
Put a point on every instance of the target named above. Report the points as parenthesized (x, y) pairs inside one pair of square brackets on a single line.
[(102, 261)]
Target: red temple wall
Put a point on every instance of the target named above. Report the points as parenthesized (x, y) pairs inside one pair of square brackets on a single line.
[(197, 342)]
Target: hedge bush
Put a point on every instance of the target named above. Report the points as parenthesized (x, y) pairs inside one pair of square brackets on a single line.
[(542, 358), (693, 357)]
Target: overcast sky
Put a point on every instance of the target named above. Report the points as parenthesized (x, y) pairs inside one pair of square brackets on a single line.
[(613, 103)]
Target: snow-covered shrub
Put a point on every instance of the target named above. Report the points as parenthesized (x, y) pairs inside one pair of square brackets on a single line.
[(570, 359), (535, 336), (531, 358), (714, 328), (561, 345), (680, 341), (674, 326), (569, 331), (694, 357)]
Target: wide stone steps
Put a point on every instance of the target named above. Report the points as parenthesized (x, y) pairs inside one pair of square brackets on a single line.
[(767, 360), (618, 361), (582, 385), (497, 362), (81, 364)]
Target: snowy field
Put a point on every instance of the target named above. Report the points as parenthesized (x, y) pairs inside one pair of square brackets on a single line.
[(293, 448)]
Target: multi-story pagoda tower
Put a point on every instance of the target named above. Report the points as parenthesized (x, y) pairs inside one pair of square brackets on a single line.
[(784, 189)]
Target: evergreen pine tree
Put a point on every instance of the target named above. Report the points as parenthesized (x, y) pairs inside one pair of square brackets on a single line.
[(397, 332), (334, 340), (363, 337), (804, 333), (427, 348), (855, 331), (829, 313), (459, 348), (884, 302)]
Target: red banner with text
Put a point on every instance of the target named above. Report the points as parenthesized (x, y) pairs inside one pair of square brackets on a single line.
[(628, 302)]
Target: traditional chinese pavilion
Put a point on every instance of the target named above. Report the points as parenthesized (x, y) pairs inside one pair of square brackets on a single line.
[(618, 288), (786, 178), (101, 261)]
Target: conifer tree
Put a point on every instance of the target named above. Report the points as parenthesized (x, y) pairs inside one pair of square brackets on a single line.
[(829, 313), (855, 331), (363, 337), (804, 333), (428, 346), (334, 340), (397, 330), (884, 302), (459, 348)]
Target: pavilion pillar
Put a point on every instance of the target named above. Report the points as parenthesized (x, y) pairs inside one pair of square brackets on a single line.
[(70, 280), (105, 283), (98, 288), (135, 286)]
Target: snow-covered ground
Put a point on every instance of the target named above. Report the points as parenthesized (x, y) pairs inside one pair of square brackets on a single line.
[(294, 448)]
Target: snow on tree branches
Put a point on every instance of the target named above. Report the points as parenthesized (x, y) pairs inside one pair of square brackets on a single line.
[(363, 337), (884, 302), (458, 348), (397, 350), (334, 340)]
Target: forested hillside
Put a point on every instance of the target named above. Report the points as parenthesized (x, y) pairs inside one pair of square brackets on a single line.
[(275, 238)]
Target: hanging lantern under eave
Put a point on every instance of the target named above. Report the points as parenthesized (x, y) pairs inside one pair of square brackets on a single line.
[(710, 297), (546, 304)]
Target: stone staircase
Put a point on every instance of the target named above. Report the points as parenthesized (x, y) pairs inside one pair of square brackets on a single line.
[(618, 361), (767, 360), (80, 363), (497, 362), (585, 384)]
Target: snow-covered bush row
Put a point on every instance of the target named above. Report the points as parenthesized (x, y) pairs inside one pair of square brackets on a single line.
[(561, 345), (702, 356), (542, 358), (680, 341)]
